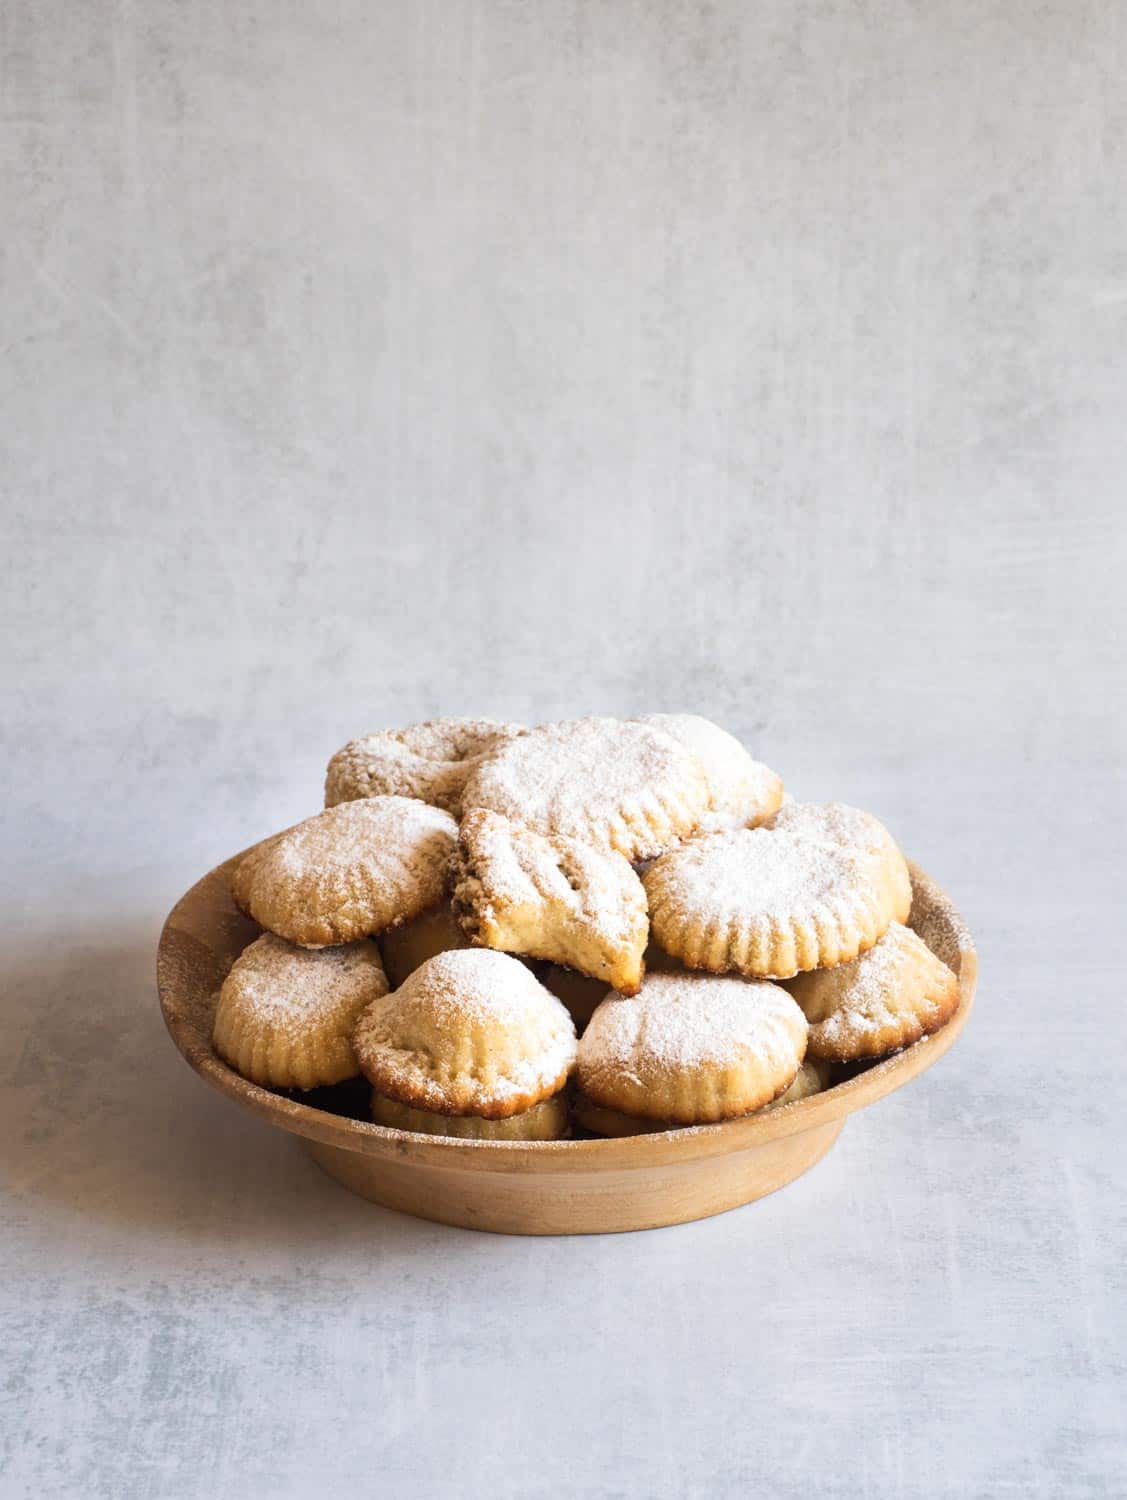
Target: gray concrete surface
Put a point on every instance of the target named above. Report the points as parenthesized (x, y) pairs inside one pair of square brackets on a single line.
[(366, 361)]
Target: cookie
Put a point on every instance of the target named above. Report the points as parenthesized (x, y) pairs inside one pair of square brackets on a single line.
[(745, 792), (243, 873), (612, 783), (765, 903), (691, 1049), (853, 829), (550, 897), (546, 1121), (880, 1002), (434, 931), (469, 1033), (812, 1078), (350, 871), (430, 761), (286, 1015)]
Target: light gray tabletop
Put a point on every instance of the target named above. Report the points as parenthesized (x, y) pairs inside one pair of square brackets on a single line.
[(363, 363)]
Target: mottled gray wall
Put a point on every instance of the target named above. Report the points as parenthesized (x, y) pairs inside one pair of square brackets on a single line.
[(362, 361)]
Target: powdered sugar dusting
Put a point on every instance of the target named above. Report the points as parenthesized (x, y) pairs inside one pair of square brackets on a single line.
[(748, 871), (506, 865), (351, 870), (881, 1000), (615, 783), (744, 791), (682, 1022), (291, 990), (430, 761), (468, 1030)]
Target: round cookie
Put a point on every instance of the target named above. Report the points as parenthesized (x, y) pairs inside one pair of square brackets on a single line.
[(852, 828), (430, 761), (286, 1015), (745, 792), (765, 903), (612, 783), (880, 1002), (469, 1033), (692, 1049), (350, 871), (546, 1121)]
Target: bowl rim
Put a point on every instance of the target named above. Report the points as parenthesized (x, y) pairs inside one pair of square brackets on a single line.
[(601, 1154)]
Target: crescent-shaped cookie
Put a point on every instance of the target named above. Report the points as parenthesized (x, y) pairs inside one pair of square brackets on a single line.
[(554, 898)]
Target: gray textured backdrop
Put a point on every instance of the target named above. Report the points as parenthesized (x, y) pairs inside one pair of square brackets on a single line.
[(366, 361)]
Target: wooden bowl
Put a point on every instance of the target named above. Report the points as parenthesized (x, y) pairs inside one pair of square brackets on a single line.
[(555, 1187)]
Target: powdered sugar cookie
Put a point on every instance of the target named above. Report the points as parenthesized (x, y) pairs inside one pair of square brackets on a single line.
[(886, 999), (692, 1048), (350, 871), (546, 1121), (469, 1033), (243, 873), (556, 898), (616, 784), (745, 792), (765, 903), (286, 1015), (853, 829), (430, 761)]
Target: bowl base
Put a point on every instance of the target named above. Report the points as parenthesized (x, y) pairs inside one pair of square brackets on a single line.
[(578, 1202)]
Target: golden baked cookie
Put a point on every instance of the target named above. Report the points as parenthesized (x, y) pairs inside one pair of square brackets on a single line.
[(692, 1048), (556, 898), (581, 995), (243, 873), (853, 829), (404, 948), (745, 792), (886, 999), (546, 1121), (468, 1033), (430, 761), (350, 871), (812, 1078), (765, 903), (286, 1015), (609, 782)]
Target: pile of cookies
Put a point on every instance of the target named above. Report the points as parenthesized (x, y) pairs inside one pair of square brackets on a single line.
[(601, 925)]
